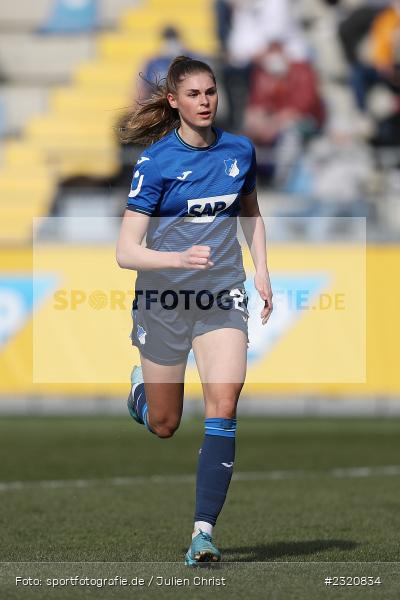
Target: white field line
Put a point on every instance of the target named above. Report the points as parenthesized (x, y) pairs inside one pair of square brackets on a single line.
[(6, 486)]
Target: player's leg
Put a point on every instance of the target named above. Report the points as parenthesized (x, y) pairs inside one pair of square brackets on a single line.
[(221, 357), (163, 338), (156, 399)]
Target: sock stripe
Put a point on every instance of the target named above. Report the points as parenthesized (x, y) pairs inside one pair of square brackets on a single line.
[(144, 417), (218, 421), (220, 427), (222, 433)]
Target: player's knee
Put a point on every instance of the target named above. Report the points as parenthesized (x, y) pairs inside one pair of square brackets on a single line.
[(224, 405), (165, 429), (226, 409)]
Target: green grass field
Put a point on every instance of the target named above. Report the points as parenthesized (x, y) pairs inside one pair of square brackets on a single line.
[(85, 490)]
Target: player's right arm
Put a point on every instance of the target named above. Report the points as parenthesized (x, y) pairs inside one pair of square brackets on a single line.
[(132, 255), (143, 201)]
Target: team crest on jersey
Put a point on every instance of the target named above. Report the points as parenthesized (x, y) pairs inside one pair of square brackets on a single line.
[(231, 167), (141, 333)]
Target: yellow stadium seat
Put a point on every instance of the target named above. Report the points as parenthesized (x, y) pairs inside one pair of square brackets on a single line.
[(176, 4), (79, 158), (27, 183), (17, 226), (97, 157), (64, 157), (70, 127), (83, 100), (113, 46), (55, 147), (111, 74), (188, 18), (100, 166), (118, 47), (24, 210), (21, 154), (21, 218)]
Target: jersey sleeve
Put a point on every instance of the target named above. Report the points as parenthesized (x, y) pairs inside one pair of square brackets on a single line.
[(146, 187), (250, 180)]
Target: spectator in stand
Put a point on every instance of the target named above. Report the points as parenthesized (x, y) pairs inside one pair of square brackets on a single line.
[(356, 25), (157, 67), (243, 27), (223, 16), (284, 109), (382, 24), (385, 38), (337, 156)]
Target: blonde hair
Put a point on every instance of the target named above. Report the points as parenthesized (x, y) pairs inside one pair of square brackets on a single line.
[(152, 119)]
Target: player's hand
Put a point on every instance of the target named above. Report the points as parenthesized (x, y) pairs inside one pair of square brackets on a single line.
[(196, 257), (263, 286)]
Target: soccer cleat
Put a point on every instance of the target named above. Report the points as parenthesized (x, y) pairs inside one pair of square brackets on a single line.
[(202, 550), (136, 377)]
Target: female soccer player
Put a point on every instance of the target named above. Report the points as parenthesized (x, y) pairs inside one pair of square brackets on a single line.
[(188, 187)]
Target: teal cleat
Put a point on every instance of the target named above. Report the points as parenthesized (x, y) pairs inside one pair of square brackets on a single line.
[(202, 550), (136, 377)]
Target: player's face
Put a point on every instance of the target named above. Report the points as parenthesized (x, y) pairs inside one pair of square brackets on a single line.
[(196, 100)]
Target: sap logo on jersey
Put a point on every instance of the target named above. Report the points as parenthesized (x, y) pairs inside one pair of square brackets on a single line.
[(204, 210)]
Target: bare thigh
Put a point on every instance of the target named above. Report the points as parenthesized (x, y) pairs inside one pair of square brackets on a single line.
[(221, 358), (164, 386)]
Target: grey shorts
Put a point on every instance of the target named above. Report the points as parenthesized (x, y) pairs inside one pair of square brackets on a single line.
[(164, 333)]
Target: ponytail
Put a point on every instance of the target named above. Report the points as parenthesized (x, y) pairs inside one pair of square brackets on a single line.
[(150, 121), (154, 118)]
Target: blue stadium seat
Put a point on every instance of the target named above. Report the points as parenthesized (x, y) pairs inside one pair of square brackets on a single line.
[(71, 16)]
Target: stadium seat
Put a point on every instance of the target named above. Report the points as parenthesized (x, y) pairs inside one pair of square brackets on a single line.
[(70, 127), (24, 15), (3, 121), (115, 46), (83, 100), (175, 6), (20, 102), (71, 16), (70, 157), (19, 153), (108, 74), (34, 185), (21, 199), (17, 226), (120, 46), (138, 19), (109, 11), (30, 58)]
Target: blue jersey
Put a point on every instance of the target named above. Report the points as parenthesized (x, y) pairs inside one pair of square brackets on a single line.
[(193, 196)]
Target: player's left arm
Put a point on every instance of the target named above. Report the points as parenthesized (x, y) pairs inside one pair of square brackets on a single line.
[(253, 227)]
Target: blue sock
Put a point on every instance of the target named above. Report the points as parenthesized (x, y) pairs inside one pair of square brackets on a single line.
[(215, 467), (140, 405)]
